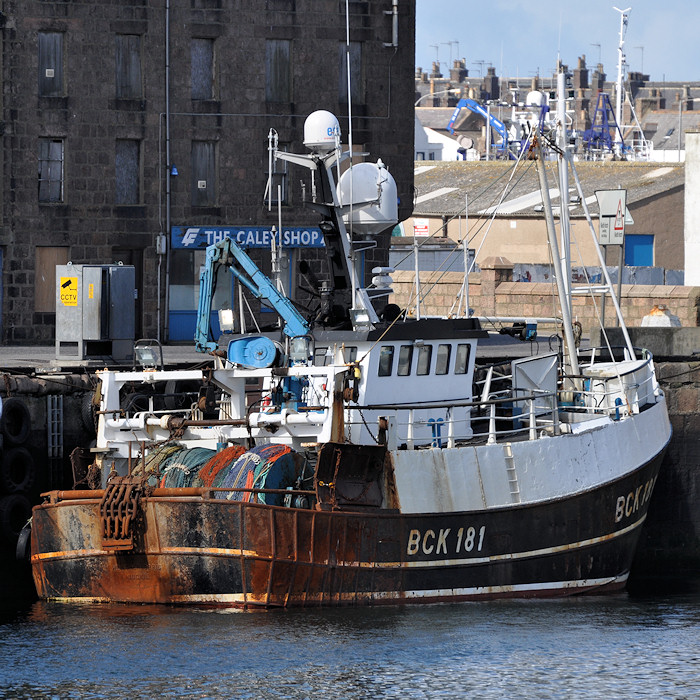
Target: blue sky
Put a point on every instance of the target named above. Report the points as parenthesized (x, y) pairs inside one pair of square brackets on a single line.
[(523, 37)]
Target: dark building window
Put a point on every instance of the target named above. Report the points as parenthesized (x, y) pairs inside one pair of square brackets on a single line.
[(50, 64), (127, 169), (202, 53), (278, 181), (203, 173), (356, 79), (278, 74), (50, 170), (128, 67)]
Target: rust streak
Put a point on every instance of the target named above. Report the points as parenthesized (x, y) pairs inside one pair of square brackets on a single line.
[(273, 547)]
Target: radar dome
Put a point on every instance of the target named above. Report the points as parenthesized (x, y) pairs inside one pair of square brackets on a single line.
[(321, 131), (535, 98), (372, 191)]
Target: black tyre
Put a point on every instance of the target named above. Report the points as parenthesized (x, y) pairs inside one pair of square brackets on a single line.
[(17, 470), (23, 551), (16, 423), (15, 511), (88, 413)]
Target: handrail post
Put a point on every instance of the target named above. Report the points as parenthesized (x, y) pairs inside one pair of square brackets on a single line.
[(492, 425)]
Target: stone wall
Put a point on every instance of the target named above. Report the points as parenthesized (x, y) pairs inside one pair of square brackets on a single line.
[(489, 295), (669, 550), (89, 225)]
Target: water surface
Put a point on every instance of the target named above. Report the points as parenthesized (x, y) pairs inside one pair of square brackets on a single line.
[(612, 647)]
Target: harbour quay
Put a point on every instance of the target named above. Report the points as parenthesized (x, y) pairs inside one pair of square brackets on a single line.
[(48, 414)]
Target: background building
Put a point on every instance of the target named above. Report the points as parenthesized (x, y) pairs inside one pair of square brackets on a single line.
[(126, 125), (655, 114)]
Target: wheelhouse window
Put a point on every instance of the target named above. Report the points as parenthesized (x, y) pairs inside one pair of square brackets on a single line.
[(462, 358), (405, 358), (386, 360), (442, 361), (425, 354)]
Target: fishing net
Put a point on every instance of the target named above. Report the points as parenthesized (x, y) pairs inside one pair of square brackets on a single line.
[(216, 468), (154, 462), (263, 467), (181, 469)]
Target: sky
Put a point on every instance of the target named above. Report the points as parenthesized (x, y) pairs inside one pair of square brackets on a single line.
[(524, 37)]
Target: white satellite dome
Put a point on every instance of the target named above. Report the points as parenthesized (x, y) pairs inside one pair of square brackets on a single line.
[(535, 98), (321, 131), (371, 185)]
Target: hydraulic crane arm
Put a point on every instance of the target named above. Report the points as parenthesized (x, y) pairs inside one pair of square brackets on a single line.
[(228, 254)]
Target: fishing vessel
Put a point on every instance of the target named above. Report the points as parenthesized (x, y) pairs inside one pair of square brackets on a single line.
[(360, 455)]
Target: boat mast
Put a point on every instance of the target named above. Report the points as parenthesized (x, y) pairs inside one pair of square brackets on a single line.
[(562, 140), (564, 299)]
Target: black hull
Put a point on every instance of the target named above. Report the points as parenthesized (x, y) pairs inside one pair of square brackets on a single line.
[(216, 552)]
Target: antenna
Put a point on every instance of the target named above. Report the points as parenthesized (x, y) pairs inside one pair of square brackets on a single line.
[(353, 259), (620, 74)]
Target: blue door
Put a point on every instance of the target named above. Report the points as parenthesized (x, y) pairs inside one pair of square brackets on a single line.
[(639, 250)]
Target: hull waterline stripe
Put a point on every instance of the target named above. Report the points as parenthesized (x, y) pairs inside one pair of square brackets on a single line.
[(241, 599), (237, 598), (232, 552)]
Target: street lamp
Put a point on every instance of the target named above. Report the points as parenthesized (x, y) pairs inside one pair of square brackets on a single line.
[(453, 91)]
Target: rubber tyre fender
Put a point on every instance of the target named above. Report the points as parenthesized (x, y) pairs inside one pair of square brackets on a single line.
[(88, 413), (23, 551), (17, 470), (16, 422), (15, 511)]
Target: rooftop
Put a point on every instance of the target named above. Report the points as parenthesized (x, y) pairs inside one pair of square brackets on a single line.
[(441, 186)]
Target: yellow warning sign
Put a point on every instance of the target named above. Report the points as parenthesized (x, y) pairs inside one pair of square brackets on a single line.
[(91, 291), (68, 291)]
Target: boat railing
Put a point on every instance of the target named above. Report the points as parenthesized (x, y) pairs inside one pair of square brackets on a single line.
[(503, 415)]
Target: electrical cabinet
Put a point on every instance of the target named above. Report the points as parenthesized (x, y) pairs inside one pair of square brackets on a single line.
[(95, 313)]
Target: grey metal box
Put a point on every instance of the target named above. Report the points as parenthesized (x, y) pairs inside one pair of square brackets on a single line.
[(95, 312)]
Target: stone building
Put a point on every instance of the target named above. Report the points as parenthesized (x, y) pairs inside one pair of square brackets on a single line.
[(126, 124)]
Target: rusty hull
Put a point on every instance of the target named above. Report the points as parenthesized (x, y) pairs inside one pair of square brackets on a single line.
[(196, 549)]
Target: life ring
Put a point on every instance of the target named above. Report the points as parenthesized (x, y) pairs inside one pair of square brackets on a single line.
[(15, 511), (23, 550), (17, 470), (16, 421)]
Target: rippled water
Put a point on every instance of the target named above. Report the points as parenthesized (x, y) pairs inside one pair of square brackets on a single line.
[(613, 647)]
